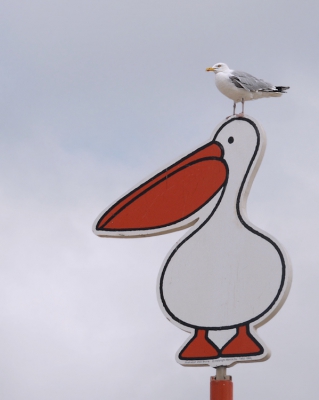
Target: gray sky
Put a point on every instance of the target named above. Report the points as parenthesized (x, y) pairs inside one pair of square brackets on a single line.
[(95, 95)]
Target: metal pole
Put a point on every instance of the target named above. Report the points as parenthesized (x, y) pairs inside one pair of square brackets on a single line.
[(221, 385)]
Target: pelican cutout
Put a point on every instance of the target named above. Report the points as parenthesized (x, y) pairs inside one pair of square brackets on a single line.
[(225, 277)]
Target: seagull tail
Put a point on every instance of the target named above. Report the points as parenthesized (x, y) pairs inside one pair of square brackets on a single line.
[(282, 89)]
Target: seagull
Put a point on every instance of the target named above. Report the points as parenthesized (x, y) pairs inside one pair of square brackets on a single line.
[(241, 86)]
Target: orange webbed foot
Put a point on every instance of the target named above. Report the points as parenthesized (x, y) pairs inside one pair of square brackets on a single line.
[(243, 343), (199, 347)]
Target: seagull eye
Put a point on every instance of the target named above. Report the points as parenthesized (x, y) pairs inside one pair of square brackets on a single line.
[(219, 65), (230, 140)]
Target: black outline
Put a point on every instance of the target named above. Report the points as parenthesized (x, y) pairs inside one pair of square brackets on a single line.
[(244, 224), (155, 184)]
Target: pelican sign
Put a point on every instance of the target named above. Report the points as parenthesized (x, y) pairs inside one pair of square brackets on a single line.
[(225, 277)]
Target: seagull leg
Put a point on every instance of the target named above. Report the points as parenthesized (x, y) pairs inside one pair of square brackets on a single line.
[(242, 108), (234, 111)]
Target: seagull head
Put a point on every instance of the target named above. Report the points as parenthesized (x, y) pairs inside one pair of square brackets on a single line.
[(219, 67)]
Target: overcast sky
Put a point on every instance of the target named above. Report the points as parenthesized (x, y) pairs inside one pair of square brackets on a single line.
[(95, 95)]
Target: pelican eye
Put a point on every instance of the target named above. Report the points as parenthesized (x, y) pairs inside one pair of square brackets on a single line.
[(230, 140)]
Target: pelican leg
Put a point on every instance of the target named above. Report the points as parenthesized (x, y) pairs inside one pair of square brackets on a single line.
[(242, 344), (199, 347)]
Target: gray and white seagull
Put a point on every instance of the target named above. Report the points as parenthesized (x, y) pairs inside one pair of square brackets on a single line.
[(240, 86)]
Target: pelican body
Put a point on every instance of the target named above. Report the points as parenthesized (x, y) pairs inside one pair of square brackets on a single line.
[(225, 277)]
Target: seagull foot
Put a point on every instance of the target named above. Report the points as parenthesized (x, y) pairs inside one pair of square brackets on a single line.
[(240, 114)]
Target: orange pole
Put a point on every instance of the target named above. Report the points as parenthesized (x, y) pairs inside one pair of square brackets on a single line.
[(221, 389)]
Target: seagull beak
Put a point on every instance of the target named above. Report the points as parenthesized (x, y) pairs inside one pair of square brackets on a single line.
[(210, 69)]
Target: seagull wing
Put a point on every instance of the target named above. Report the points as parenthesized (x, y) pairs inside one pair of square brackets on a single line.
[(168, 198), (248, 82)]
